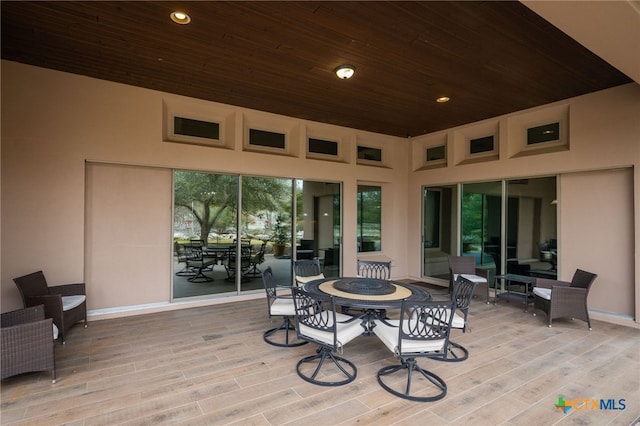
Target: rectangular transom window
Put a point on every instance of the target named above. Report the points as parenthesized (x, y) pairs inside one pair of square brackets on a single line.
[(267, 139), (368, 153), (546, 133), (320, 146), (479, 145), (436, 153), (196, 128)]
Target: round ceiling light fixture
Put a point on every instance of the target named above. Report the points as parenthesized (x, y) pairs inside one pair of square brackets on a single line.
[(442, 99), (180, 18), (345, 72)]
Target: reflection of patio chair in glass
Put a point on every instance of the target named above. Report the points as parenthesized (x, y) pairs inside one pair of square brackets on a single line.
[(197, 262), (181, 255), (256, 259), (245, 261)]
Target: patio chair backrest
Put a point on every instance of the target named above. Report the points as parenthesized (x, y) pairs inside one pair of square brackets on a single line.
[(463, 290), (315, 312), (374, 269), (30, 285), (462, 264), (414, 328), (307, 267), (582, 279)]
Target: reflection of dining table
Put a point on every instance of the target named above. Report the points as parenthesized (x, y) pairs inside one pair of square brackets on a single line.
[(373, 296), (218, 252)]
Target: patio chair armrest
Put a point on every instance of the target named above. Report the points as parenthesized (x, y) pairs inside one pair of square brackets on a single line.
[(484, 273), (28, 346), (549, 283), (52, 306), (284, 296), (23, 316), (284, 286), (27, 333), (440, 297), (566, 293), (69, 289)]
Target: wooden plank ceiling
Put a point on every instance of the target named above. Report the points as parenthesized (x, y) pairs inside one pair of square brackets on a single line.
[(490, 58)]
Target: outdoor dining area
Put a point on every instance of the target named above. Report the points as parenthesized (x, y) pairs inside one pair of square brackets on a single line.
[(331, 312), (420, 327), (211, 365)]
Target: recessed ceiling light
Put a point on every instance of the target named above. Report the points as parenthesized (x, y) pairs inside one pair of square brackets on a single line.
[(345, 72), (442, 99), (180, 18)]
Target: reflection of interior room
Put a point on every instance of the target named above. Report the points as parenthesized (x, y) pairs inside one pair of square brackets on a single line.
[(320, 225), (531, 227)]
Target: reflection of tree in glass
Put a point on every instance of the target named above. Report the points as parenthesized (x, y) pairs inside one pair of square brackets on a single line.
[(369, 217), (212, 198), (472, 214)]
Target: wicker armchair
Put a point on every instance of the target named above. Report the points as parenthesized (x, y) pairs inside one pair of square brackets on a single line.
[(26, 342), (466, 266), (66, 303), (561, 299)]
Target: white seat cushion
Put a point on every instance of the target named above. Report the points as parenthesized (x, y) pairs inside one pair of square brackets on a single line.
[(304, 280), (283, 306), (458, 321), (346, 331), (55, 331), (70, 302), (471, 277), (545, 293), (389, 336)]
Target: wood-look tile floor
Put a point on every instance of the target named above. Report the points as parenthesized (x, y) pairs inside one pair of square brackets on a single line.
[(210, 366)]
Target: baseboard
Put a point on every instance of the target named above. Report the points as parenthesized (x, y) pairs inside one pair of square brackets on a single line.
[(613, 318), (149, 308)]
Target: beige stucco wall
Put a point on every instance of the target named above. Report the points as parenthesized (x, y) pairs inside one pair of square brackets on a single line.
[(604, 134), (53, 123)]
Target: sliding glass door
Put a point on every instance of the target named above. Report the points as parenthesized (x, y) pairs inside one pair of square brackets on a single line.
[(318, 224), (481, 222), (265, 230), (228, 229), (369, 218), (506, 226), (531, 227), (438, 234)]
